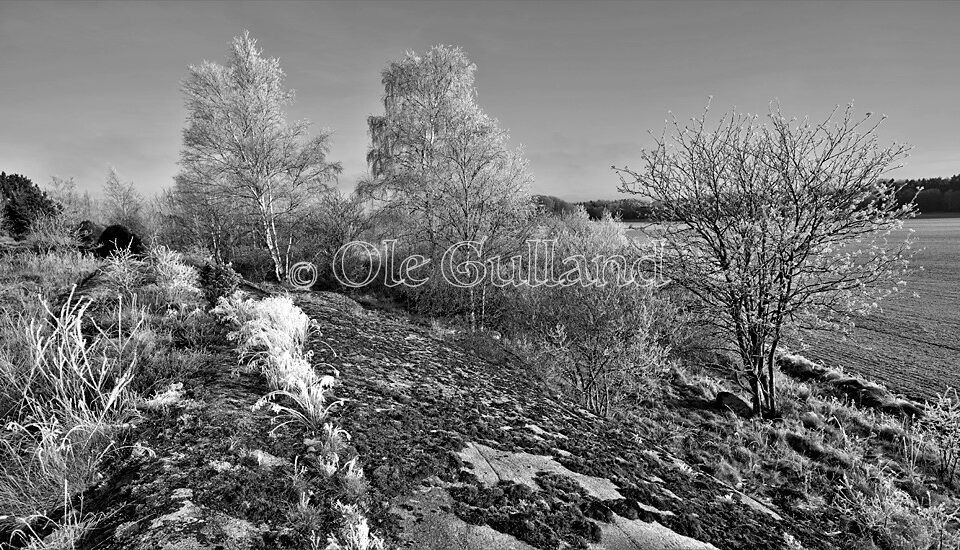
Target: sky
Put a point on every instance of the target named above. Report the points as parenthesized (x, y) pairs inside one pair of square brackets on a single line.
[(89, 85)]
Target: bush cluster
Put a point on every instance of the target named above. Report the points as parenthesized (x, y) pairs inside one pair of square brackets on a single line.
[(606, 342), (160, 279)]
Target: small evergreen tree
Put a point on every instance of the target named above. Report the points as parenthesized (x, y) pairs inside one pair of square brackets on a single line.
[(23, 204)]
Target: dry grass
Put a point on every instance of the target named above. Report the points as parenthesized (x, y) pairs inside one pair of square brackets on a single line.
[(874, 469), (73, 397), (310, 407), (66, 533), (271, 333), (25, 275), (67, 375), (160, 281)]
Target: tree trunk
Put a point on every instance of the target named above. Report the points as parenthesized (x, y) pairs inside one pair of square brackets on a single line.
[(270, 238)]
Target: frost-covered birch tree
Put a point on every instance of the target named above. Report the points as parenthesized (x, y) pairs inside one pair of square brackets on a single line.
[(443, 168), (439, 161), (773, 222), (238, 145)]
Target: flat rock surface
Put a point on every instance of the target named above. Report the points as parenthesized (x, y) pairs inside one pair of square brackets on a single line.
[(633, 534), (428, 524), (492, 466)]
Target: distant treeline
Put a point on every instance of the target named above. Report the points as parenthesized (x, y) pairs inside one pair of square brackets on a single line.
[(628, 209), (936, 194)]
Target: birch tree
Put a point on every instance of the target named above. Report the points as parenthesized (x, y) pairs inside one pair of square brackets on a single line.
[(441, 166), (440, 160), (774, 224), (238, 145)]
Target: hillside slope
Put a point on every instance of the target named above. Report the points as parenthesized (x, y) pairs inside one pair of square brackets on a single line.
[(450, 440), (458, 451)]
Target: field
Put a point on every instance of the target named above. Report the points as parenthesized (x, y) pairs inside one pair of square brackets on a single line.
[(913, 344)]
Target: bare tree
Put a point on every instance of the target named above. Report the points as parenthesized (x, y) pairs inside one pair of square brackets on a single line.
[(190, 216), (77, 206), (122, 204), (773, 224), (239, 146)]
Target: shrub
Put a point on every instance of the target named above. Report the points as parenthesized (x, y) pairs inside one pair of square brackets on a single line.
[(124, 273), (254, 263), (942, 422), (48, 234), (88, 233), (160, 279), (218, 281), (604, 340), (117, 238), (173, 280)]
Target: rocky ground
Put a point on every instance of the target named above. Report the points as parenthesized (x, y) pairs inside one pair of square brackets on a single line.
[(459, 451)]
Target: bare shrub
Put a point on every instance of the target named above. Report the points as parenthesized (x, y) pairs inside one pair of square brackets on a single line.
[(603, 339), (174, 281), (942, 422), (773, 225), (124, 273), (51, 233)]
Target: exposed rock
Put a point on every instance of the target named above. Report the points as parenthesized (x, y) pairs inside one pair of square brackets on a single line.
[(193, 527), (428, 524), (265, 459), (627, 534), (186, 514), (492, 466)]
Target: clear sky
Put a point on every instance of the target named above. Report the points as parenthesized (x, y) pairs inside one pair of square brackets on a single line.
[(87, 85)]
